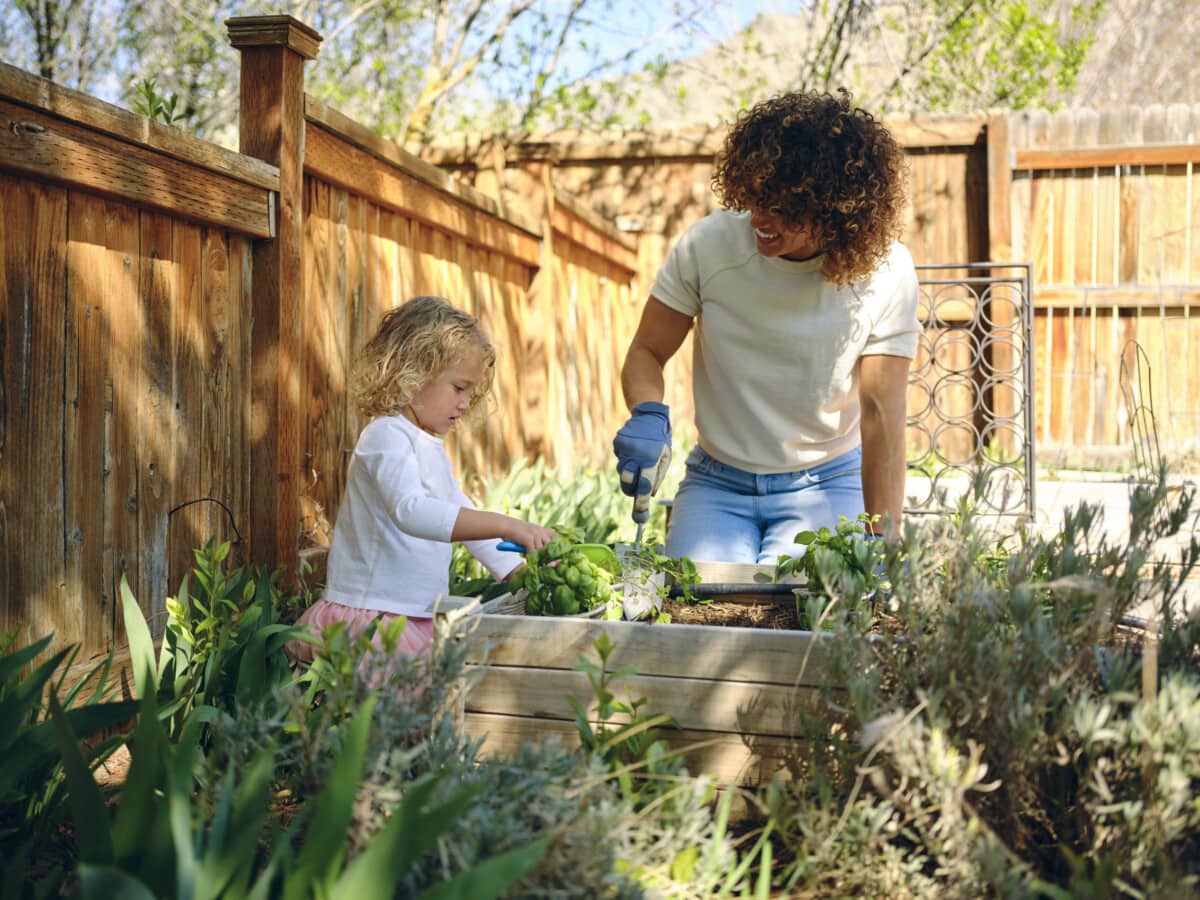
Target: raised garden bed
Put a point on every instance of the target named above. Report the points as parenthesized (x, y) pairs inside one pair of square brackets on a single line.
[(734, 692)]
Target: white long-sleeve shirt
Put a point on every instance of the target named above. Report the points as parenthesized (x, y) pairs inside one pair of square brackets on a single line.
[(391, 542)]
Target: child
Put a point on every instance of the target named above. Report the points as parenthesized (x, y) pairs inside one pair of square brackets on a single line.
[(427, 367)]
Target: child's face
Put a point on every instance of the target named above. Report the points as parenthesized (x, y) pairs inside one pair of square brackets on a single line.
[(439, 405), (774, 237)]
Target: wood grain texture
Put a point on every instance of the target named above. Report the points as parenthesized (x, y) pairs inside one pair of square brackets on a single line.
[(763, 656), (728, 758), (33, 526), (42, 146)]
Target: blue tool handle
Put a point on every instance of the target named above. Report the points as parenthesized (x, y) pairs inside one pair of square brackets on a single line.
[(510, 547)]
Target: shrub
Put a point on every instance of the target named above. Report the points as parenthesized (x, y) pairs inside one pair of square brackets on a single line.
[(989, 742)]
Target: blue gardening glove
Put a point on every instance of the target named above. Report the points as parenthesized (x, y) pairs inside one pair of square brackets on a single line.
[(643, 449)]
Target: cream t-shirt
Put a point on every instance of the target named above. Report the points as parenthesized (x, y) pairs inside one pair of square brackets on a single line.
[(391, 542), (776, 348)]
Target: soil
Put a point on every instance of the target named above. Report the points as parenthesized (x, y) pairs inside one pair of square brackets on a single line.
[(781, 616)]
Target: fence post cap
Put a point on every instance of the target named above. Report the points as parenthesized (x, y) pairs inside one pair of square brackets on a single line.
[(274, 31)]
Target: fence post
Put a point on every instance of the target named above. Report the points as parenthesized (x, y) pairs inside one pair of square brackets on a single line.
[(271, 128), (1001, 404)]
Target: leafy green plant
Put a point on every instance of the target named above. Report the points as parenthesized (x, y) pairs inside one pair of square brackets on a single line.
[(839, 564), (587, 504), (159, 842), (561, 580), (33, 794), (631, 748), (221, 643), (147, 100)]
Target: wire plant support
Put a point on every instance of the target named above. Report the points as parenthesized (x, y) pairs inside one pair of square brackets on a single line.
[(970, 391)]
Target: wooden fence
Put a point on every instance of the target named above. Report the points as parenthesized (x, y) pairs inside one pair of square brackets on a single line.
[(1106, 207), (179, 319)]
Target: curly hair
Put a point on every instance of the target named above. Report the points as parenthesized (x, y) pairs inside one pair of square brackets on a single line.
[(413, 343), (815, 160)]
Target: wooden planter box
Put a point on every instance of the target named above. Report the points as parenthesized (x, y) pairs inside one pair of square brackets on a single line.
[(734, 692)]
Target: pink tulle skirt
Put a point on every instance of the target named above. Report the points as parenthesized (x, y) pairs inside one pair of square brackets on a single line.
[(415, 640)]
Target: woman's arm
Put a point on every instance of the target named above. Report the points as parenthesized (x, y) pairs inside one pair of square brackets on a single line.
[(882, 393), (660, 333)]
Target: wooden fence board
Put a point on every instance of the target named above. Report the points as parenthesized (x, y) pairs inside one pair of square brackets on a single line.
[(46, 147), (191, 474), (123, 284), (87, 353), (155, 433), (32, 523)]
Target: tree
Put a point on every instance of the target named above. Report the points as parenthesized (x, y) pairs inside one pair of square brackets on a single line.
[(416, 70), (408, 68), (56, 39)]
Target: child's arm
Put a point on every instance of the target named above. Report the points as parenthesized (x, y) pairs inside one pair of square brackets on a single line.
[(479, 525)]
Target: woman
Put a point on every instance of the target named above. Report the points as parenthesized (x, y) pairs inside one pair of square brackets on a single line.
[(805, 309)]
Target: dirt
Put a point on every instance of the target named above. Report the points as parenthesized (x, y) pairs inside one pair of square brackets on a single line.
[(781, 616)]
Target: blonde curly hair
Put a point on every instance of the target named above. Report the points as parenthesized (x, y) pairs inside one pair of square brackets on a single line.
[(413, 343), (815, 160)]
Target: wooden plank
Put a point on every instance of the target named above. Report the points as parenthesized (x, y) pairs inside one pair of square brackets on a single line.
[(225, 324), (189, 522), (1171, 298), (155, 432), (575, 223), (1083, 214), (355, 170), (1129, 197), (694, 703), (86, 482), (388, 151), (32, 523), (95, 115), (727, 758), (1062, 269), (52, 149), (239, 394), (999, 188), (676, 650), (1045, 159), (123, 272)]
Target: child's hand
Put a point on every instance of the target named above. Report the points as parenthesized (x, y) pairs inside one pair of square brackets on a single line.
[(528, 535)]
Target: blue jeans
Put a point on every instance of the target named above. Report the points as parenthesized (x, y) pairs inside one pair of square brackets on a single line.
[(725, 514)]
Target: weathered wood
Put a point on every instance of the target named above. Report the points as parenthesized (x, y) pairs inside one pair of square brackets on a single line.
[(271, 114), (87, 408), (130, 128), (32, 523), (694, 703), (45, 147), (274, 32), (740, 689), (347, 166), (727, 758), (575, 222), (1064, 157), (351, 132), (763, 656), (122, 289)]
